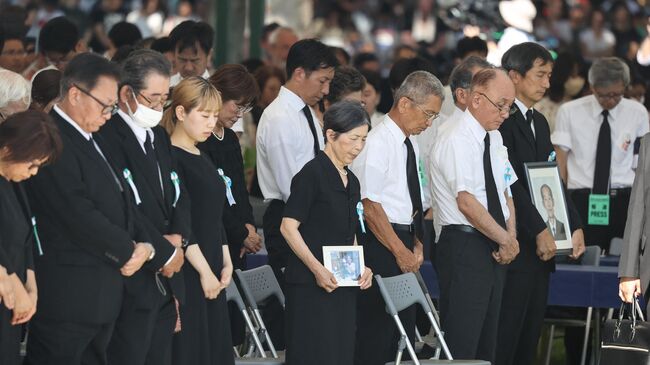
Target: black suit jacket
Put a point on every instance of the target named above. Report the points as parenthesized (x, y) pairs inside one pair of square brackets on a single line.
[(88, 225), (524, 147), (163, 218)]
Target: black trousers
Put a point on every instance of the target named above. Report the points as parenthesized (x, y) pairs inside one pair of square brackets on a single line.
[(9, 338), (52, 342), (144, 335), (522, 316), (471, 287), (377, 334), (619, 200), (278, 252)]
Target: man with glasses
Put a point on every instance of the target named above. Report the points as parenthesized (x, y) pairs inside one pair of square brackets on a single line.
[(597, 141), (58, 43), (144, 329), (12, 55), (471, 184), (392, 197), (92, 236)]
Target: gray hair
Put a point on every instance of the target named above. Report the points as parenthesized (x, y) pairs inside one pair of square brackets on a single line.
[(418, 86), (606, 71), (461, 75), (14, 88), (276, 33), (140, 64)]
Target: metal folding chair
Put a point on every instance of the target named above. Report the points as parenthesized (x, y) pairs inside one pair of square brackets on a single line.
[(400, 292), (232, 295), (257, 285)]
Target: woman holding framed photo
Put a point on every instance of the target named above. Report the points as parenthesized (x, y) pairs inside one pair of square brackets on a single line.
[(322, 211)]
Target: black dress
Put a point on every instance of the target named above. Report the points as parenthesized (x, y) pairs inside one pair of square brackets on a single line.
[(205, 325), (326, 210), (16, 244), (226, 155)]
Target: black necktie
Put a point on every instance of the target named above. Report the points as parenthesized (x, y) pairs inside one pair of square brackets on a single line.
[(310, 121), (603, 156), (152, 160), (494, 205), (529, 121), (413, 183)]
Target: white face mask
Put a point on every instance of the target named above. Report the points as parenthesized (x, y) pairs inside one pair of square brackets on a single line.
[(145, 117)]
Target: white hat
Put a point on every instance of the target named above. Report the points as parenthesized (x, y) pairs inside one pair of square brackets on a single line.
[(518, 14)]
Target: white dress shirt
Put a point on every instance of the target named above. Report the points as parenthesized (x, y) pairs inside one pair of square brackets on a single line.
[(177, 78), (576, 131), (284, 144), (523, 109), (458, 164), (381, 170)]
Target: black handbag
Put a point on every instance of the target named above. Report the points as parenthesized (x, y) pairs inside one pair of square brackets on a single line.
[(626, 341)]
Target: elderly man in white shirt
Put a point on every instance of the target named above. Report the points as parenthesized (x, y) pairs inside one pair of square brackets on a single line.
[(392, 198), (471, 188), (597, 141)]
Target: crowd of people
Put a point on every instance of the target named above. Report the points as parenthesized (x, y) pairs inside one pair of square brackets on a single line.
[(129, 167)]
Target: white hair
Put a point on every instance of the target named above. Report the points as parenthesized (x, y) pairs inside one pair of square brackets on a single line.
[(14, 88)]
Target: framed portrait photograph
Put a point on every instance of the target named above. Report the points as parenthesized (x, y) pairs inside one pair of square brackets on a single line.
[(547, 194), (345, 262)]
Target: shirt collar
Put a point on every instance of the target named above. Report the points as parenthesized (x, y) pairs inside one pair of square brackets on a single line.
[(140, 133), (394, 129), (292, 98), (76, 126), (177, 78), (522, 107), (475, 127), (597, 110)]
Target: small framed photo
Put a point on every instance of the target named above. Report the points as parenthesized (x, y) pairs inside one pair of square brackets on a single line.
[(548, 196), (345, 262)]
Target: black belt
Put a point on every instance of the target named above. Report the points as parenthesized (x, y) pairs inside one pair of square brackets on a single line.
[(410, 228), (612, 191), (463, 228)]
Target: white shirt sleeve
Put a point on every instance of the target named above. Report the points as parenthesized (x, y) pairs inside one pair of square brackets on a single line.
[(454, 166), (562, 134), (371, 169), (281, 157)]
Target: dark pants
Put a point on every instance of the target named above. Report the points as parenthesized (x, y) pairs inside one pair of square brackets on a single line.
[(377, 334), (619, 200), (471, 287), (278, 249), (522, 316), (52, 342), (144, 335), (9, 338)]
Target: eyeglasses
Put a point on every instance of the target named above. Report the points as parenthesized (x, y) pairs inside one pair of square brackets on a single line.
[(106, 109), (502, 109), (154, 103), (243, 109), (430, 117), (610, 96), (59, 61)]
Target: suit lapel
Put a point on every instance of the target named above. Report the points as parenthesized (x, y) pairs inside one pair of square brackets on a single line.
[(520, 121), (165, 164), (543, 137), (137, 159)]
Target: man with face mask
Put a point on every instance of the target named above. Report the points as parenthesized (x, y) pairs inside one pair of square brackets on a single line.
[(148, 319), (596, 139)]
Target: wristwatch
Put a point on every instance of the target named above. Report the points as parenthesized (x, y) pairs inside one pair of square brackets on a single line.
[(184, 243)]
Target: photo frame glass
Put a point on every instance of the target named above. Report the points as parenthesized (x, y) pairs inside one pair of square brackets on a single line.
[(345, 262), (548, 196)]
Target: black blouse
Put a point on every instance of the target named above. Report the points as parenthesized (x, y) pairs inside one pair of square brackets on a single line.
[(207, 195), (326, 210), (16, 233), (226, 155)]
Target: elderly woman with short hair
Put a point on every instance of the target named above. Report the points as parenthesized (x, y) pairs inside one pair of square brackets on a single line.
[(15, 94)]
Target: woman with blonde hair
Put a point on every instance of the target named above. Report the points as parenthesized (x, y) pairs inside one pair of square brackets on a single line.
[(204, 337)]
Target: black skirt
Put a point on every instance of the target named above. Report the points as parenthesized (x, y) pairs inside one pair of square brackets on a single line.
[(9, 338), (320, 326)]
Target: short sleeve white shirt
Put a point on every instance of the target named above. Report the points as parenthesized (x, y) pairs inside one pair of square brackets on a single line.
[(457, 165), (381, 170), (284, 144), (576, 131)]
